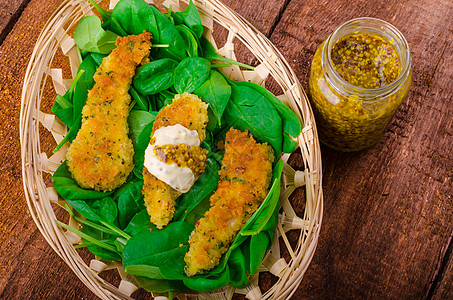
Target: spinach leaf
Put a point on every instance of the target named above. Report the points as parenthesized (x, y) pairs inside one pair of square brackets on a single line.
[(213, 123), (141, 100), (271, 224), (63, 106), (80, 98), (171, 36), (171, 263), (161, 99), (98, 210), (191, 73), (120, 243), (90, 36), (160, 286), (233, 274), (161, 248), (155, 76), (139, 223), (64, 114), (63, 102), (102, 211), (256, 249), (83, 82), (288, 144), (105, 14), (140, 147), (291, 124), (237, 268), (203, 284), (190, 39), (144, 271), (155, 102), (97, 58), (216, 92), (208, 143), (86, 82), (249, 109), (97, 250), (106, 209), (72, 133), (192, 205), (166, 97), (135, 16), (130, 201), (191, 18), (68, 187), (137, 120), (84, 209), (210, 54)]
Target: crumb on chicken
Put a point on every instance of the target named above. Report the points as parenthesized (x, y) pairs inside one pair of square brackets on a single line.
[(244, 181), (101, 155)]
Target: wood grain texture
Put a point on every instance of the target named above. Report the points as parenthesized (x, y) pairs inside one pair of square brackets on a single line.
[(388, 210), (443, 284), (388, 216), (10, 11)]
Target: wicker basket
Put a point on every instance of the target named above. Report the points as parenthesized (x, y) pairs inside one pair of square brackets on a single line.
[(36, 163)]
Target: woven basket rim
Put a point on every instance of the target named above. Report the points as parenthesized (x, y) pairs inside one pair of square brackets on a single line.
[(271, 62)]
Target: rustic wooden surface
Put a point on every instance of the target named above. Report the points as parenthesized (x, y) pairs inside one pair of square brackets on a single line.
[(388, 218)]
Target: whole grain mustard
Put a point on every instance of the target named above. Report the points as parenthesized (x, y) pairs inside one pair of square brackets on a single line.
[(366, 60), (358, 79)]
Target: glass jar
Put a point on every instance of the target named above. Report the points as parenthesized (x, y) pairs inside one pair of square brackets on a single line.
[(354, 116)]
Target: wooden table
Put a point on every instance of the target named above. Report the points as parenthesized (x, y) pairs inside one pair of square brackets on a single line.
[(388, 211)]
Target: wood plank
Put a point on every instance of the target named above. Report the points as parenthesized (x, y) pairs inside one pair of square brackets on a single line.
[(443, 281), (10, 11), (388, 211)]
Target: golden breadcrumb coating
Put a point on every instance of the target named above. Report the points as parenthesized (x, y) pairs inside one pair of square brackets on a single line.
[(159, 199), (101, 155), (247, 161), (244, 182), (189, 111)]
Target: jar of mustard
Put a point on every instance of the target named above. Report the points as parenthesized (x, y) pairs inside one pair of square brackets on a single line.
[(358, 78)]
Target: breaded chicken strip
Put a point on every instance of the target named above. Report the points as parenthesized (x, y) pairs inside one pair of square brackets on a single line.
[(244, 182), (101, 155), (189, 111)]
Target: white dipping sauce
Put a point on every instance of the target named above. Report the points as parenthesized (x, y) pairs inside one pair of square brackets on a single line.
[(179, 178)]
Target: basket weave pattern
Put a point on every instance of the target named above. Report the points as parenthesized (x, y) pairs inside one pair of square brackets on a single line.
[(35, 162)]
